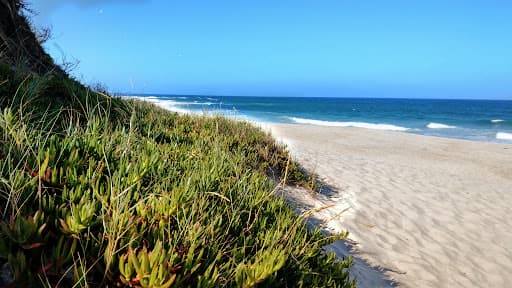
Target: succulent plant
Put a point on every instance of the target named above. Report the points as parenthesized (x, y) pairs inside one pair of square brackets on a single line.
[(63, 252), (188, 194), (79, 217), (147, 269), (26, 232)]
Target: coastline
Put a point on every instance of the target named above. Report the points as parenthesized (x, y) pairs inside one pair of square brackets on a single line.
[(104, 191), (406, 180), (426, 211), (486, 121)]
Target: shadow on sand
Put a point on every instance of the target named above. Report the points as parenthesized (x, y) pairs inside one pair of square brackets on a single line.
[(365, 274)]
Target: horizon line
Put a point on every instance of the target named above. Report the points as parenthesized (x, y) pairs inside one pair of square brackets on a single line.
[(118, 94)]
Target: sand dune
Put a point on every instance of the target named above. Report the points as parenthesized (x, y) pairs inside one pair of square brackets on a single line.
[(430, 212)]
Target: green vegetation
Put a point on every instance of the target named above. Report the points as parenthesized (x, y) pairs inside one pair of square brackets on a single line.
[(99, 191)]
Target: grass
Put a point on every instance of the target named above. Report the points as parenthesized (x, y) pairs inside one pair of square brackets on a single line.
[(98, 191)]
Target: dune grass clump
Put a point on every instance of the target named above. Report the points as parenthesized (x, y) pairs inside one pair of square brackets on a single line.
[(109, 192)]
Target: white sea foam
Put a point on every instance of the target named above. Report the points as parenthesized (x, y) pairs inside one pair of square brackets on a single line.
[(170, 105), (497, 120), (192, 103), (433, 125), (349, 124), (504, 136)]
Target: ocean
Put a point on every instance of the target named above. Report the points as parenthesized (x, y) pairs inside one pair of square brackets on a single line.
[(481, 120)]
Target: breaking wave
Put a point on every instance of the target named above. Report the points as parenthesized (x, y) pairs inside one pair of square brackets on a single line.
[(433, 125), (366, 125)]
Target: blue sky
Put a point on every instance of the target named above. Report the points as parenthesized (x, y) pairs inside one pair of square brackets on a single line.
[(359, 48)]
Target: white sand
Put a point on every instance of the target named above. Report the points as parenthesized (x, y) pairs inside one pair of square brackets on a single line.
[(431, 212)]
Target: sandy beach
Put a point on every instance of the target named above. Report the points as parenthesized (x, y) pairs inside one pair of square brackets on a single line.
[(425, 211)]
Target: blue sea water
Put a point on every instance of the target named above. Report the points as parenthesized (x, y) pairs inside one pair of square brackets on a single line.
[(483, 120)]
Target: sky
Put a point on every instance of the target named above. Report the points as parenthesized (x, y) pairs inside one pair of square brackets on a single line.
[(328, 48)]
